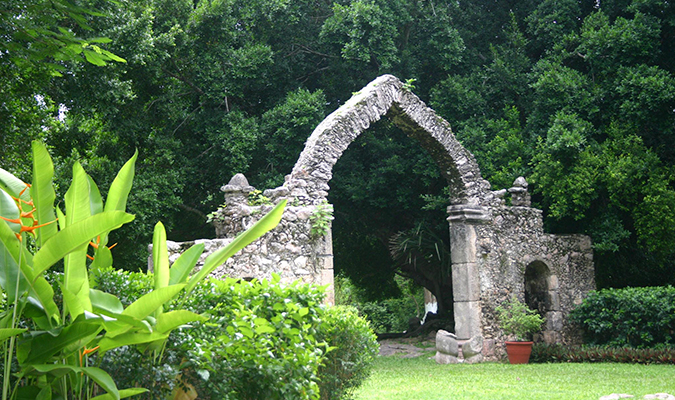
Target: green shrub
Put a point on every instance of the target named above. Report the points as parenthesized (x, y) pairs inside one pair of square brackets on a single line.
[(387, 315), (543, 353), (630, 317), (354, 347), (266, 340), (257, 333)]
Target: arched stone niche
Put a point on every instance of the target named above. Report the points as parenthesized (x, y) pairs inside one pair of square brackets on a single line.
[(537, 294), (492, 244)]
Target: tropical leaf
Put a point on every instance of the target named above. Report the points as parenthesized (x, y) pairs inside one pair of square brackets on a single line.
[(6, 333), (95, 199), (17, 271), (76, 235), (13, 185), (98, 375), (148, 303), (9, 210), (173, 319), (105, 301), (73, 304), (124, 393), (160, 257), (121, 186), (183, 266), (44, 345), (42, 192), (129, 339)]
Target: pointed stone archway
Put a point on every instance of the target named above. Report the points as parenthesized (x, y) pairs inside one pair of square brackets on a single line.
[(497, 250), (387, 96)]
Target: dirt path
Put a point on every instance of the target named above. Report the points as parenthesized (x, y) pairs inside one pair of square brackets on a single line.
[(405, 348)]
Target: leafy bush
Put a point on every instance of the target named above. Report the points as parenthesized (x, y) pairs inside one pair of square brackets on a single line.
[(388, 315), (263, 330), (516, 319), (353, 348), (257, 332), (630, 317), (543, 353)]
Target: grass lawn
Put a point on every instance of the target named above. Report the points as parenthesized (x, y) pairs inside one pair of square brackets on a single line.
[(421, 378)]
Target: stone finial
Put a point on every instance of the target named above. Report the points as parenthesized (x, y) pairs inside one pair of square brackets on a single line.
[(237, 190), (519, 195), (238, 183)]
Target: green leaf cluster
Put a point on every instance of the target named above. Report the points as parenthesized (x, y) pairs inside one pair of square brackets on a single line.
[(628, 317), (516, 319), (51, 345)]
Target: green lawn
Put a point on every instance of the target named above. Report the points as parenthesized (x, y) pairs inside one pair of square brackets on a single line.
[(421, 378)]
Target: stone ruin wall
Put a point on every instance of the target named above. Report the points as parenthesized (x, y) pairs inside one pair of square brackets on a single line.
[(498, 251), (514, 241), (288, 250)]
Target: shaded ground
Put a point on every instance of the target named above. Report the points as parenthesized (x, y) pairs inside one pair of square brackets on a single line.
[(407, 347)]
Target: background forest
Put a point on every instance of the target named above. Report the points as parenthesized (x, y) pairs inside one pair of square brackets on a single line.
[(577, 96)]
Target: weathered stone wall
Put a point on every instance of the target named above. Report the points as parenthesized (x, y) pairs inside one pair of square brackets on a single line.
[(513, 250), (498, 251), (289, 250)]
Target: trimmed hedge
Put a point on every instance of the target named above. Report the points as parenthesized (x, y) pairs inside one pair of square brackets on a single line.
[(630, 317), (544, 353)]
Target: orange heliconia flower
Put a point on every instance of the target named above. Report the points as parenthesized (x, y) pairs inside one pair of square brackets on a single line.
[(25, 214), (96, 245)]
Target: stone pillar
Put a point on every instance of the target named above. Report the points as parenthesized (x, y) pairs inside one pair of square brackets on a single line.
[(465, 278), (519, 195), (236, 197), (324, 257)]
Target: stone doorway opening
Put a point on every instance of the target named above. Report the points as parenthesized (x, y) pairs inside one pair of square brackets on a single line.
[(387, 239)]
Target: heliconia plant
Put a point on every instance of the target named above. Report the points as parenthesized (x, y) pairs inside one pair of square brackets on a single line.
[(49, 345)]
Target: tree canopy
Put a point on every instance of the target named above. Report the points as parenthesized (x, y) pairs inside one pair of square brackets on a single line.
[(578, 97)]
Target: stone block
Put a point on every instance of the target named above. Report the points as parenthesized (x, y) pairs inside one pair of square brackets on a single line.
[(553, 300), (551, 337), (462, 243), (465, 282), (467, 319), (552, 282), (554, 321), (445, 358), (473, 346), (446, 343)]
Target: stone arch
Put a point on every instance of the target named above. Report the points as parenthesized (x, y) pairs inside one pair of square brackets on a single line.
[(470, 193), (491, 242), (385, 95)]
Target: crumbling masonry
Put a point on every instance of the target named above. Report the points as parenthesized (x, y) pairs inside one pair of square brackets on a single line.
[(497, 250)]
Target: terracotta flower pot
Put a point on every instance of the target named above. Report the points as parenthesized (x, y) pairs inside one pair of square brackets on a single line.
[(519, 352)]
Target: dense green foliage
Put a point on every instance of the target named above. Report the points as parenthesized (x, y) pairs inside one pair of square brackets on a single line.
[(578, 97), (385, 315), (354, 348), (48, 335), (552, 353), (257, 332), (629, 317)]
